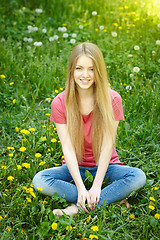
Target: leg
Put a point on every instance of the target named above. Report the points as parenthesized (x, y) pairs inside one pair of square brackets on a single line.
[(56, 179), (124, 180)]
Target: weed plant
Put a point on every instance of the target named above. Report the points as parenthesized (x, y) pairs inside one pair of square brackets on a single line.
[(36, 39)]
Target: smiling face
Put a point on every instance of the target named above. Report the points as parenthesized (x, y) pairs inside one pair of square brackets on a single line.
[(84, 73)]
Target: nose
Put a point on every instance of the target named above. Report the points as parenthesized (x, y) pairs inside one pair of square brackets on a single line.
[(85, 73)]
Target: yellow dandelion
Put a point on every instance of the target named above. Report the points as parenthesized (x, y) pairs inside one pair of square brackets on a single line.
[(3, 167), (157, 216), (43, 139), (152, 199), (44, 126), (53, 140), (154, 188), (132, 216), (61, 89), (10, 148), (88, 219), (95, 228), (17, 129), (22, 149), (56, 91), (48, 114), (30, 189), (32, 130), (5, 195), (38, 155), (1, 218), (9, 229), (54, 226), (24, 131), (33, 194), (19, 167), (11, 83), (92, 236), (14, 101), (115, 24), (42, 163), (28, 199), (69, 228), (10, 155), (2, 76), (18, 189), (39, 189), (10, 178), (151, 207), (26, 165)]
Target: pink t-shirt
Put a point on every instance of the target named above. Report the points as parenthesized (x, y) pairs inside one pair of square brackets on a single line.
[(58, 115)]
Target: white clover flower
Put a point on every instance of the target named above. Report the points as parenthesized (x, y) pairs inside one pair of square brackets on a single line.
[(38, 10), (37, 44), (114, 34), (74, 35), (25, 39), (19, 47), (158, 25), (136, 69), (55, 37), (44, 30), (128, 87), (3, 39), (28, 47), (153, 52), (30, 40), (60, 29), (158, 60), (18, 44), (130, 55), (94, 13), (80, 26), (158, 42), (35, 28), (101, 27), (131, 75), (51, 39), (65, 35), (64, 29), (136, 47), (72, 41)]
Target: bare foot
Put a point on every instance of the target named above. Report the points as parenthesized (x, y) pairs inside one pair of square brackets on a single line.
[(73, 209)]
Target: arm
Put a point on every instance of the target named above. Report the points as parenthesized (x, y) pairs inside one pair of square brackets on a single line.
[(72, 164), (103, 163)]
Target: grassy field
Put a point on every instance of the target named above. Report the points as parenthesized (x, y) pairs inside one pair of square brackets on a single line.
[(36, 39)]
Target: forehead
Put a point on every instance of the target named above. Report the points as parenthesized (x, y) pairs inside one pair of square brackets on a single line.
[(84, 60)]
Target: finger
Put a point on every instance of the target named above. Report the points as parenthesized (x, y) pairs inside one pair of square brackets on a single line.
[(82, 206)]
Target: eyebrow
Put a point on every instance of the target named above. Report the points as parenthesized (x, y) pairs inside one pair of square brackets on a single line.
[(82, 66)]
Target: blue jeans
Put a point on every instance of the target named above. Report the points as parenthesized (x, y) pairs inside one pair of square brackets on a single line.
[(123, 181)]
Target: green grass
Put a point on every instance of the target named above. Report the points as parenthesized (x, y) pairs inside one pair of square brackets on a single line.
[(36, 72)]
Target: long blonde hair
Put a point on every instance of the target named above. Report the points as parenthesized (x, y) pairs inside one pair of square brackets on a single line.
[(103, 117)]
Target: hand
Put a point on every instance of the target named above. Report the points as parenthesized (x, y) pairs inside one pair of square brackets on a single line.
[(83, 197), (94, 194)]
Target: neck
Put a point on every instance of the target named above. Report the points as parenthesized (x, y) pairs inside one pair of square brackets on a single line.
[(85, 93)]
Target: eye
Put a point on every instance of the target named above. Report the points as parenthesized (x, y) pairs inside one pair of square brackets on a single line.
[(78, 68), (91, 69)]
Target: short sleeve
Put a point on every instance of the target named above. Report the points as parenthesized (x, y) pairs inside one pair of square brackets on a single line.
[(117, 106), (58, 111)]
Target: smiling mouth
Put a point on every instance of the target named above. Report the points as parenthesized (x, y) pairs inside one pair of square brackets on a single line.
[(84, 80)]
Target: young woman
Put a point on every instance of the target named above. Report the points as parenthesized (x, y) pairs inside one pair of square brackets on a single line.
[(86, 116)]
